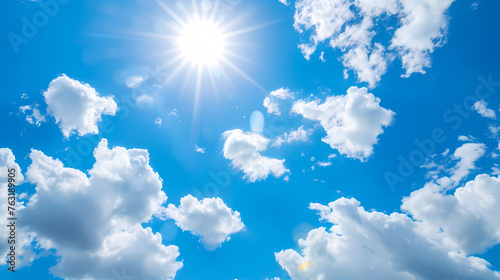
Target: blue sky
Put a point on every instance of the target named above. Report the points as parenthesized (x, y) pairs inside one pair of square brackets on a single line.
[(238, 200)]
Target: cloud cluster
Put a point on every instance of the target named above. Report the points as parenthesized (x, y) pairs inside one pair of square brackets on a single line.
[(33, 114), (465, 221), (298, 135), (352, 122), (209, 218), (415, 29), (433, 240), (76, 107), (374, 245), (94, 223), (271, 102), (244, 148)]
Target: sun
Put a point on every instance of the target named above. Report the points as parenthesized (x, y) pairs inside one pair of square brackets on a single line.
[(201, 42)]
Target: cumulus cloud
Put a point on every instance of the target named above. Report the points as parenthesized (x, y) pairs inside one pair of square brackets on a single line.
[(463, 221), (272, 101), (244, 148), (481, 107), (300, 135), (434, 239), (350, 26), (76, 107), (352, 122), (374, 245), (94, 223), (209, 218)]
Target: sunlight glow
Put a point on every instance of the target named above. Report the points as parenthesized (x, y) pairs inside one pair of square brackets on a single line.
[(201, 42)]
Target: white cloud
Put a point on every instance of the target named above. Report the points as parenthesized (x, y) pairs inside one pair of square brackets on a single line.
[(271, 102), (284, 2), (465, 221), (158, 122), (374, 245), (199, 150), (465, 138), (300, 135), (494, 129), (482, 108), (282, 93), (244, 150), (350, 26), (324, 163), (209, 218), (435, 239), (76, 106), (35, 117), (100, 229), (352, 122), (322, 57), (272, 106)]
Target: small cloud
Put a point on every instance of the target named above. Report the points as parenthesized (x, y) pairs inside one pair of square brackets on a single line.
[(158, 122), (199, 150), (299, 135), (173, 113), (24, 96), (321, 57), (494, 129), (481, 107), (244, 150), (271, 102), (474, 6), (210, 219), (324, 163), (466, 138), (33, 115)]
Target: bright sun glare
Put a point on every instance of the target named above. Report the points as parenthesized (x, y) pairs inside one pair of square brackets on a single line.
[(201, 43)]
